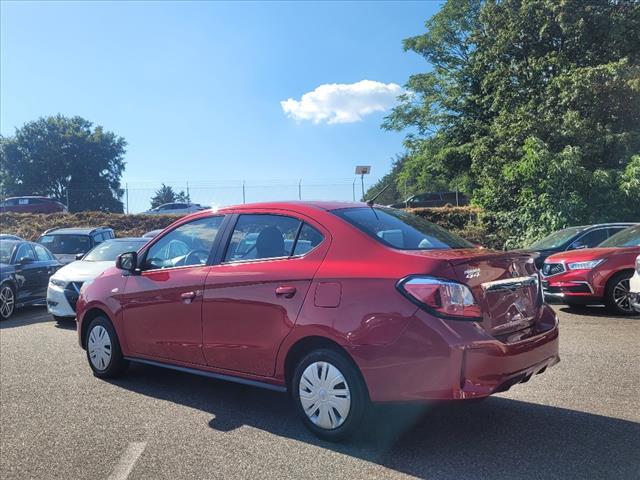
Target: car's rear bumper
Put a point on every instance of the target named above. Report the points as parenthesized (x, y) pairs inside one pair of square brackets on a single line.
[(465, 362)]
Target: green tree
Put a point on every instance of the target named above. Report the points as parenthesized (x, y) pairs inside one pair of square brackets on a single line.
[(64, 158), (522, 91), (166, 194)]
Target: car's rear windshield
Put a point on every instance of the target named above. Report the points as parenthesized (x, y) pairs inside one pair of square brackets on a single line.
[(629, 237), (66, 244), (556, 239), (109, 250), (400, 229)]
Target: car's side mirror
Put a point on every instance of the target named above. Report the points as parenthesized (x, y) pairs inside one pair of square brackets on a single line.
[(79, 256), (128, 262), (25, 261)]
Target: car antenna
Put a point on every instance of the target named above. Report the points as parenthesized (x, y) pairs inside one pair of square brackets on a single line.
[(371, 201)]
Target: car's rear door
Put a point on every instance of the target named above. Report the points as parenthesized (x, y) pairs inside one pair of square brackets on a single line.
[(162, 306), (253, 296)]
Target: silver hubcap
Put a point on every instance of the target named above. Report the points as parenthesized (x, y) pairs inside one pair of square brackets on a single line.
[(7, 302), (622, 295), (324, 395), (99, 347)]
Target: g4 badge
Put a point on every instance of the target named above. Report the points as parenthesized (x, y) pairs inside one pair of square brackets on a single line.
[(472, 273)]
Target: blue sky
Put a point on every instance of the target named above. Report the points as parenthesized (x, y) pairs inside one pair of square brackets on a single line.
[(196, 88)]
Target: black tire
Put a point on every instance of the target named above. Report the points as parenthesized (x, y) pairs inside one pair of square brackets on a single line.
[(610, 294), (117, 364), (61, 319), (8, 310), (358, 394)]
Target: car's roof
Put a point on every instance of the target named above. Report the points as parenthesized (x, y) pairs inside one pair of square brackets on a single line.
[(600, 225), (32, 196), (75, 230), (296, 205)]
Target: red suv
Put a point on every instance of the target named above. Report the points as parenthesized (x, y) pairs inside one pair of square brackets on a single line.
[(338, 303), (595, 275)]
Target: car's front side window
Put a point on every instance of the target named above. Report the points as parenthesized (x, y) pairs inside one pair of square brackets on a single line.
[(188, 244), (259, 236), (25, 251)]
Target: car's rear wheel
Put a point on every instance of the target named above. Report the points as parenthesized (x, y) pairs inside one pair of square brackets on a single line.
[(330, 394), (103, 349), (7, 301), (618, 294)]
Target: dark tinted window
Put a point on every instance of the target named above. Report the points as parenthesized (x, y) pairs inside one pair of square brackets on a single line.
[(591, 239), (400, 229), (262, 236), (188, 244), (308, 239), (69, 244)]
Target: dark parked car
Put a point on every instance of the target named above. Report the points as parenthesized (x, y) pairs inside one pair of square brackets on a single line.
[(32, 204), (25, 268), (69, 244), (435, 199), (574, 238), (9, 236)]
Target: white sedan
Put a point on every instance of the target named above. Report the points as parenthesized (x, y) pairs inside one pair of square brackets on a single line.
[(64, 285), (176, 208), (634, 285)]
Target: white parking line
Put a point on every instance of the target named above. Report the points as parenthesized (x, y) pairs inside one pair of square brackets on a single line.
[(127, 461)]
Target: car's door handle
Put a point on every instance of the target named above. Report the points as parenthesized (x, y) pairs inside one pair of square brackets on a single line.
[(286, 291), (187, 296)]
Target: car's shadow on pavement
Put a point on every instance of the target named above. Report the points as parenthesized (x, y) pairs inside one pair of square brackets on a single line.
[(498, 438), (26, 316), (595, 311)]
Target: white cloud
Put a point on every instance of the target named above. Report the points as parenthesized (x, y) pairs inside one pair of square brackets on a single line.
[(342, 102)]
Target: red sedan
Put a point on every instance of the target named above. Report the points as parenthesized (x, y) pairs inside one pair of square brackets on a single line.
[(339, 304), (595, 275)]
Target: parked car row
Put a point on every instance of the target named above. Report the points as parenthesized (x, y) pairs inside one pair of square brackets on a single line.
[(52, 269)]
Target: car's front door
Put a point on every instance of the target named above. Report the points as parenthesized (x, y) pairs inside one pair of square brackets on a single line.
[(162, 306), (253, 297), (28, 274)]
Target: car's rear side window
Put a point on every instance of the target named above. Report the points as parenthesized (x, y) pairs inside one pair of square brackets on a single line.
[(308, 239), (261, 236), (400, 229)]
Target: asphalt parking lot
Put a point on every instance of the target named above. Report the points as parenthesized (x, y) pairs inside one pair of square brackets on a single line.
[(578, 420)]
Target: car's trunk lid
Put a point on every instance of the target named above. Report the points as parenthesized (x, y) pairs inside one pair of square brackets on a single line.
[(505, 284)]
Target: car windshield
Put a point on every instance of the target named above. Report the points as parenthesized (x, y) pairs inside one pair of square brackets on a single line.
[(556, 239), (109, 250), (66, 244), (629, 237), (6, 249), (400, 229)]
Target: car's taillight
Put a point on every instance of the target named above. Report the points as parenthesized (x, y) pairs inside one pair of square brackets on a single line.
[(442, 297)]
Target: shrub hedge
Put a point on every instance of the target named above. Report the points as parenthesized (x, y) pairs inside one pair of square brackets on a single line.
[(468, 222)]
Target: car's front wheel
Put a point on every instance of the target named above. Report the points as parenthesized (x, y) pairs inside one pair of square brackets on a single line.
[(103, 349), (330, 394), (7, 301), (618, 294)]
